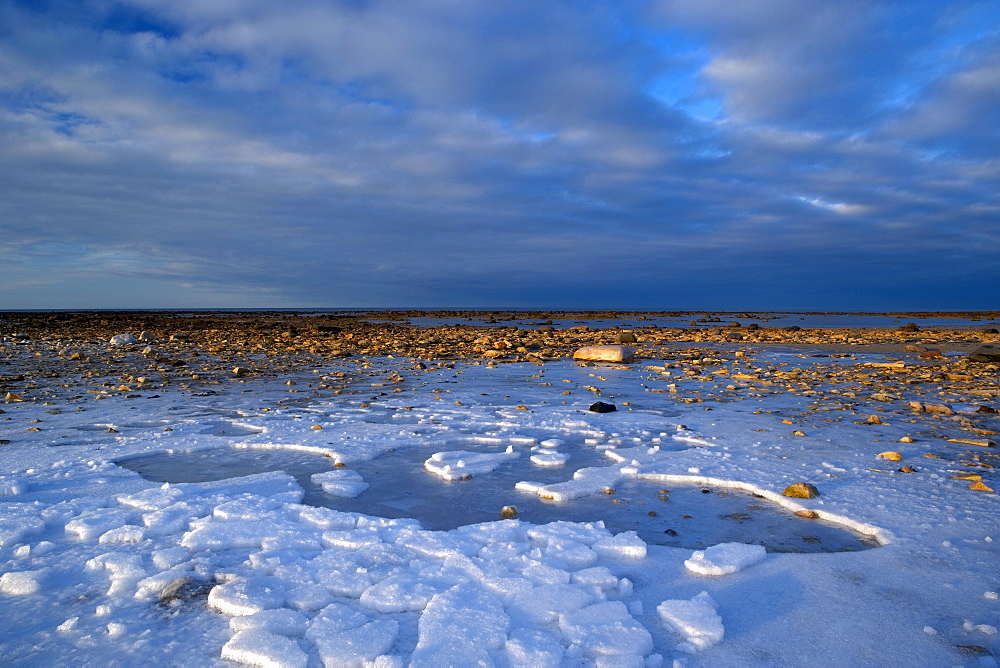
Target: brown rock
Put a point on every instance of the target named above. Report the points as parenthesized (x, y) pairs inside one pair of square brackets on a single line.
[(939, 409), (891, 455), (508, 512), (801, 490)]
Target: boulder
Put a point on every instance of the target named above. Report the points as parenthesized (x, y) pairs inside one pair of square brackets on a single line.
[(604, 354), (801, 490), (601, 407), (122, 340)]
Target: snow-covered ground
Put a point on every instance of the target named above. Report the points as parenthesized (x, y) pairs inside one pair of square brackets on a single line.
[(103, 567)]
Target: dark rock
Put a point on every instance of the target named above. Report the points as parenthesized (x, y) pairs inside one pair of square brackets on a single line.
[(793, 328), (185, 588), (753, 325), (909, 327), (625, 337), (329, 329), (985, 409), (601, 407), (987, 353)]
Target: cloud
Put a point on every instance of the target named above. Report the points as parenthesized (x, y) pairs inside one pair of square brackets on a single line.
[(439, 152)]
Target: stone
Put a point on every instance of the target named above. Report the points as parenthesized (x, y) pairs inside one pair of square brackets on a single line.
[(122, 340), (625, 337), (601, 407), (930, 354), (508, 512), (939, 409), (985, 409), (801, 490), (240, 371), (145, 337), (912, 348), (909, 327), (185, 588), (874, 419), (986, 353), (604, 354), (891, 455), (980, 487)]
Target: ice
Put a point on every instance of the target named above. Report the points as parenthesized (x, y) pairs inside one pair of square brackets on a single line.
[(467, 622), (625, 545), (345, 637), (340, 483), (246, 596), (403, 592), (586, 481), (549, 459), (257, 647), (606, 628), (542, 605), (93, 524), (725, 558), (528, 647), (695, 620), (21, 583), (460, 464), (280, 621), (87, 547)]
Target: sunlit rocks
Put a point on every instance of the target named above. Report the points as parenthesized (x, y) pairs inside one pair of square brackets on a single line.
[(508, 513), (801, 490), (891, 455), (604, 354)]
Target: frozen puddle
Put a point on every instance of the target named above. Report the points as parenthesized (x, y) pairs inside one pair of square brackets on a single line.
[(399, 486)]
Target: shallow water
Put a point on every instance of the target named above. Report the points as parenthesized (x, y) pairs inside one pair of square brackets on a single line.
[(804, 320), (684, 516)]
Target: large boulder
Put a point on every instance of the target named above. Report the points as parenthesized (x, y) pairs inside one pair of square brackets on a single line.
[(604, 354)]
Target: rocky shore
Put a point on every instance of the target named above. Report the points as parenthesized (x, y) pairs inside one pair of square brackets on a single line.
[(50, 356)]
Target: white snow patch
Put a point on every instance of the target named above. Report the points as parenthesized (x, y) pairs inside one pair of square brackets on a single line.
[(348, 484)]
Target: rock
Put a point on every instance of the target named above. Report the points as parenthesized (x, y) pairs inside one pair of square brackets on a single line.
[(980, 487), (240, 371), (909, 327), (122, 340), (145, 337), (916, 406), (891, 455), (939, 409), (798, 432), (911, 348), (906, 439), (881, 396), (874, 419), (793, 328), (801, 490), (508, 512), (185, 588), (601, 407), (987, 353), (985, 409), (604, 354), (625, 337), (929, 354), (807, 514), (907, 469)]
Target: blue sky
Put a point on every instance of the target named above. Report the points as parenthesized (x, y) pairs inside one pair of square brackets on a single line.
[(680, 154)]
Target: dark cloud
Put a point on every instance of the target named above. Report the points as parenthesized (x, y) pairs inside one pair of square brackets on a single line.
[(444, 153)]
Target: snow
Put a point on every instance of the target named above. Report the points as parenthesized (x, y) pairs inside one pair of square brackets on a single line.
[(99, 565)]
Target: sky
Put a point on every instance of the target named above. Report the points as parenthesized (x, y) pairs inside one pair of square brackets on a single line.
[(660, 155)]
